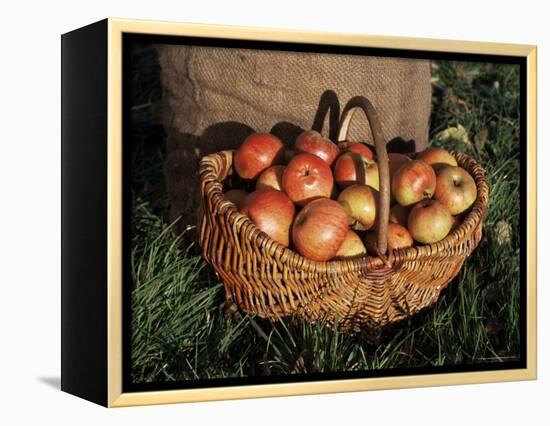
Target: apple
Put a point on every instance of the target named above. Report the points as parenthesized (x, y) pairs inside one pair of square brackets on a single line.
[(399, 214), (358, 147), (455, 189), (312, 142), (272, 177), (307, 178), (436, 157), (272, 212), (236, 196), (320, 229), (258, 152), (398, 237), (351, 168), (430, 221), (360, 203), (396, 161), (413, 182), (352, 246)]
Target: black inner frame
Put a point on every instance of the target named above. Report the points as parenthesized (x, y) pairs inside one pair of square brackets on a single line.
[(127, 41)]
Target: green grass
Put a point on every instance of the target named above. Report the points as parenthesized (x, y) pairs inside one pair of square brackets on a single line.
[(180, 331)]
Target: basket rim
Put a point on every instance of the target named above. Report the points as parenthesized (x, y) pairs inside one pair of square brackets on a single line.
[(471, 221)]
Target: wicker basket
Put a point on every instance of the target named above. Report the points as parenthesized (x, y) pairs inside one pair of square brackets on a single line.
[(366, 292)]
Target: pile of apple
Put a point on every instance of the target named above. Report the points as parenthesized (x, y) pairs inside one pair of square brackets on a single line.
[(321, 199)]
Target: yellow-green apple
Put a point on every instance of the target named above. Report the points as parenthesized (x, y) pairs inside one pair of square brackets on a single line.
[(413, 182), (436, 157), (455, 188), (307, 178), (399, 214), (358, 147), (236, 196), (313, 142), (351, 168), (352, 246), (272, 177), (320, 229), (258, 152), (272, 212), (398, 236), (430, 221), (396, 161), (360, 203)]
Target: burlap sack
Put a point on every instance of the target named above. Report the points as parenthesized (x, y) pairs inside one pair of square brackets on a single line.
[(214, 97)]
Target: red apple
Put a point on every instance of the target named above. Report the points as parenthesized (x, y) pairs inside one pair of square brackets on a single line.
[(360, 203), (358, 147), (455, 189), (430, 221), (436, 157), (272, 212), (399, 214), (352, 246), (396, 161), (398, 237), (307, 178), (272, 177), (236, 196), (351, 168), (413, 182), (320, 229), (312, 142), (258, 152)]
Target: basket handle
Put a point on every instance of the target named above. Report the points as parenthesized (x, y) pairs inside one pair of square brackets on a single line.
[(360, 102)]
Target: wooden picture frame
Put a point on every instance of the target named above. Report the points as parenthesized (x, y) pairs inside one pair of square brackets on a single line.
[(94, 303)]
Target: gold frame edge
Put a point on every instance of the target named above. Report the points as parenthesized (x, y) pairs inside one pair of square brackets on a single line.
[(116, 398)]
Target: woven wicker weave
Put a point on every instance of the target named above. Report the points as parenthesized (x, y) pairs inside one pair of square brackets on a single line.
[(266, 279)]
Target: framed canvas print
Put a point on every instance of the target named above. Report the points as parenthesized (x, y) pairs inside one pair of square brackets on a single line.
[(250, 212)]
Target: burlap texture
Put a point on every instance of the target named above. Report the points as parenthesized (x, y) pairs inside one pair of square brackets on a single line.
[(214, 97)]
